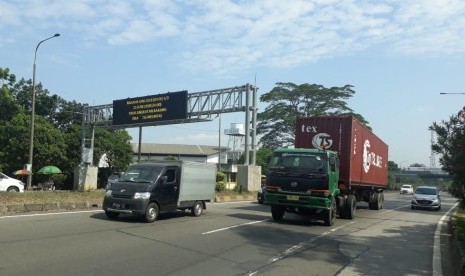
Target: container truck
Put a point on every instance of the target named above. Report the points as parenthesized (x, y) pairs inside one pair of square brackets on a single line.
[(336, 162), (148, 189)]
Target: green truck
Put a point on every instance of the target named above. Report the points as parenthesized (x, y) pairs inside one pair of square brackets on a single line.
[(337, 162)]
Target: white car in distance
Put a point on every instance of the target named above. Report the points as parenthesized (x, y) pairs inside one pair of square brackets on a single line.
[(406, 189), (9, 184)]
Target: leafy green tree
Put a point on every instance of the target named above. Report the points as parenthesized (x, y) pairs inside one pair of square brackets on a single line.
[(60, 112), (392, 180), (288, 101), (450, 145), (58, 125), (8, 106), (170, 157), (49, 146), (262, 157), (68, 114), (392, 166), (72, 139), (116, 145), (417, 165), (6, 78)]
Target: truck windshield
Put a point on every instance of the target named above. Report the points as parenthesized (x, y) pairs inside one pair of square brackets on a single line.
[(141, 175), (303, 162)]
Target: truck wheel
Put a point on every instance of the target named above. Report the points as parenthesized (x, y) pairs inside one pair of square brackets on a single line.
[(382, 200), (341, 202), (197, 209), (350, 207), (330, 214), (111, 215), (374, 203), (277, 212), (151, 213)]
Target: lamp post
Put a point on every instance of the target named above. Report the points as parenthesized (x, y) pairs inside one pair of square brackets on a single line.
[(444, 93), (31, 145)]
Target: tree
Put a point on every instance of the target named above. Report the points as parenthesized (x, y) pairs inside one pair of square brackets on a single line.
[(450, 145), (170, 157), (49, 146), (116, 144), (60, 112), (288, 101), (392, 166), (262, 158), (58, 126), (417, 165), (8, 106)]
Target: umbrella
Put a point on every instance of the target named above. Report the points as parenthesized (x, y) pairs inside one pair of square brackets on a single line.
[(22, 172), (49, 170)]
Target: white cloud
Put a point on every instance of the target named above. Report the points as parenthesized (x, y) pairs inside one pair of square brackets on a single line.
[(9, 15), (226, 36)]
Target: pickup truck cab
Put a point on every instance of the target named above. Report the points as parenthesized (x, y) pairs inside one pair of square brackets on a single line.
[(151, 188)]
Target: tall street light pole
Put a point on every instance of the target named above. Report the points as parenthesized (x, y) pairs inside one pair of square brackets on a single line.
[(31, 145), (444, 93)]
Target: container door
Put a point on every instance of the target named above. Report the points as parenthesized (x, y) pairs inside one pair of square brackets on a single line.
[(170, 189)]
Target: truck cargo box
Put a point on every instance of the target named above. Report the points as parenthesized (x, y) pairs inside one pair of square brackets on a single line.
[(149, 188), (363, 156), (198, 181)]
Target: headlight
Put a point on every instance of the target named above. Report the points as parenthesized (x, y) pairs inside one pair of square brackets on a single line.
[(108, 193), (145, 195)]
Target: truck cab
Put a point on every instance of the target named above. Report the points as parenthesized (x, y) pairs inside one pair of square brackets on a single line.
[(305, 182)]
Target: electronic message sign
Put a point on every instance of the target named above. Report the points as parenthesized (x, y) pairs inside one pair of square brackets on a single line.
[(155, 108)]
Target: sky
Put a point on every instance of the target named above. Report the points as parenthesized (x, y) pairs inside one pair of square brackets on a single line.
[(398, 55)]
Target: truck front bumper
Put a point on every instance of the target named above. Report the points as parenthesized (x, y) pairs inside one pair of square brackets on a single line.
[(297, 201), (125, 206)]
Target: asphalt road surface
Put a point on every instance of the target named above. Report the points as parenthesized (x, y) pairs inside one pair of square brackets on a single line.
[(229, 239)]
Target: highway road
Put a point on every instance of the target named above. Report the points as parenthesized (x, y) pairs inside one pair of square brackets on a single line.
[(229, 239)]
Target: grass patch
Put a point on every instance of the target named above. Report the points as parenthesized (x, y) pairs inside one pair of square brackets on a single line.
[(235, 193), (75, 196), (459, 221), (51, 197)]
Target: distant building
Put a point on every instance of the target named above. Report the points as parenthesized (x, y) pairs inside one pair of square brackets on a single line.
[(195, 153), (425, 170), (425, 174)]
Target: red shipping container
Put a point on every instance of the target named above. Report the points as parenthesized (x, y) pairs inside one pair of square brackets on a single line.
[(363, 156)]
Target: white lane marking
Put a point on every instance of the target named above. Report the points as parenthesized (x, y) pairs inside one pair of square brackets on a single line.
[(296, 247), (437, 265), (49, 214), (390, 210), (299, 246), (234, 226)]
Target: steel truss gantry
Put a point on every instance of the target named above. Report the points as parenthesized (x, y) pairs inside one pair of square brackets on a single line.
[(201, 107)]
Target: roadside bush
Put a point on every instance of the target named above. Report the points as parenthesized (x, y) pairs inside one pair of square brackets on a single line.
[(220, 176), (240, 189), (220, 186)]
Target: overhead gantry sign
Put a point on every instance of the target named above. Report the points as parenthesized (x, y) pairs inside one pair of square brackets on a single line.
[(149, 109), (172, 108)]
